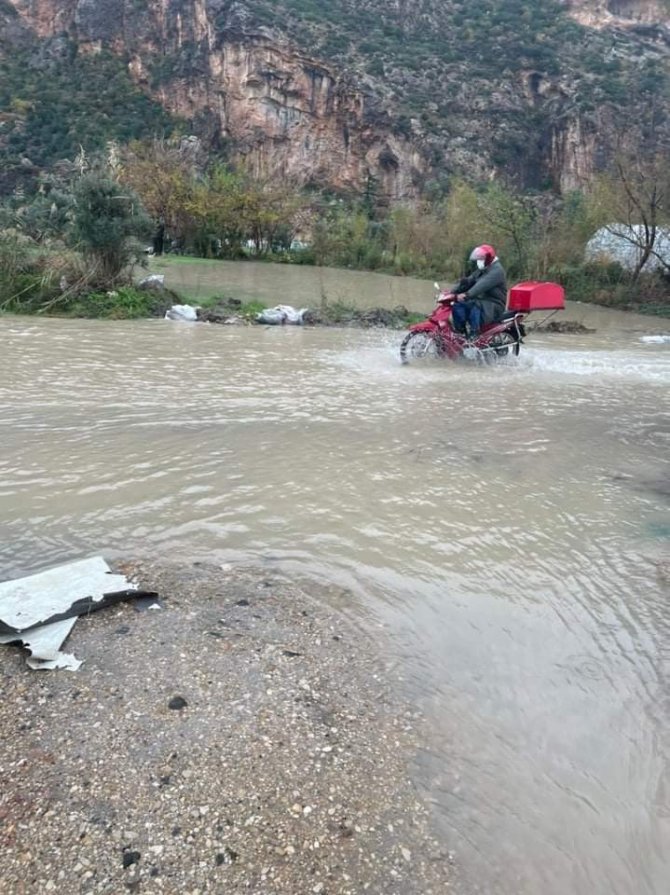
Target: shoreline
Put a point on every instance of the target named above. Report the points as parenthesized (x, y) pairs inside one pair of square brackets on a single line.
[(286, 769)]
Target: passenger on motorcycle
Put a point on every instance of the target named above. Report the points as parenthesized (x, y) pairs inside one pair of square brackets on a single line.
[(480, 298)]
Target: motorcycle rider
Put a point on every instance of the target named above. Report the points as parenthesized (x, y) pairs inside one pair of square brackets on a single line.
[(482, 297)]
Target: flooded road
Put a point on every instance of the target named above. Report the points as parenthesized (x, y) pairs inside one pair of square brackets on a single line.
[(507, 527)]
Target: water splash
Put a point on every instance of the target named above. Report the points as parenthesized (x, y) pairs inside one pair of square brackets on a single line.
[(603, 364), (655, 340)]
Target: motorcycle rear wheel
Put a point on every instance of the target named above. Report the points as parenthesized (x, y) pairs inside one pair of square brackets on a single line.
[(500, 346), (419, 346)]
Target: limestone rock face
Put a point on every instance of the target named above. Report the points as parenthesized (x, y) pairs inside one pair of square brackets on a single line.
[(285, 109), (287, 113), (280, 110)]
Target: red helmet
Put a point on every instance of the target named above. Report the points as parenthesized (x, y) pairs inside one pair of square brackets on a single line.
[(485, 253)]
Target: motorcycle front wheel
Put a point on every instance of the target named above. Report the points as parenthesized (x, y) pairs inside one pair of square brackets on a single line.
[(419, 346)]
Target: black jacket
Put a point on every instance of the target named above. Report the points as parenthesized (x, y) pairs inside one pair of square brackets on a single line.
[(488, 286)]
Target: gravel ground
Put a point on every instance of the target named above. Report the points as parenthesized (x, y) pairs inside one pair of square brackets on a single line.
[(242, 739)]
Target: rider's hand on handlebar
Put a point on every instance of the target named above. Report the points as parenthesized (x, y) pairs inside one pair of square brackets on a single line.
[(446, 296)]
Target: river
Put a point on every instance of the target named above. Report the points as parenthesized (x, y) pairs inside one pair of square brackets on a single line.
[(506, 528)]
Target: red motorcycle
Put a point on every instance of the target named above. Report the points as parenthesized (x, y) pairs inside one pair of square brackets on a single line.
[(436, 337)]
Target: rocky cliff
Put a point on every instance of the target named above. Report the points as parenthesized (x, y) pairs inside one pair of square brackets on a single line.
[(606, 13), (381, 92)]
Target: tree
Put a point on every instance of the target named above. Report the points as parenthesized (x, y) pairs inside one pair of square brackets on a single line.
[(271, 210), (419, 239), (164, 177), (464, 225), (511, 217), (107, 219), (568, 224)]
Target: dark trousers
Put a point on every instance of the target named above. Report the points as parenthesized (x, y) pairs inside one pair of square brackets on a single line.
[(469, 312)]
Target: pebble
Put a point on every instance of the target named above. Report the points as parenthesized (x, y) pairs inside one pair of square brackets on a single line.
[(177, 703)]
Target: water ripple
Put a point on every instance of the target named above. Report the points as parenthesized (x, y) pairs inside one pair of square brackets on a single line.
[(506, 526)]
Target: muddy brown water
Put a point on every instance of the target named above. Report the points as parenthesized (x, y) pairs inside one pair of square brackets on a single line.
[(506, 528)]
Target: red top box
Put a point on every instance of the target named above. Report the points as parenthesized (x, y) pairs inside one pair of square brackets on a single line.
[(533, 296)]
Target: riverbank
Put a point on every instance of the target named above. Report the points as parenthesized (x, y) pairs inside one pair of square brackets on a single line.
[(243, 738), (223, 289), (198, 280), (232, 312)]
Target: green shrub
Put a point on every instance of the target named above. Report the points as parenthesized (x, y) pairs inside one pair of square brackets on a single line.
[(107, 219), (125, 303)]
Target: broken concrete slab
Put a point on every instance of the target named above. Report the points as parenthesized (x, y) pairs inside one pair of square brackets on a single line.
[(40, 610), (67, 591), (43, 644)]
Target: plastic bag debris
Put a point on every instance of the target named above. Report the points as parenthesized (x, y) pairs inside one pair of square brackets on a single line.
[(282, 314), (182, 312)]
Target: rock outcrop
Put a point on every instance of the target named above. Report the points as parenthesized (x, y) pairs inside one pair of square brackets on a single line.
[(282, 111), (605, 13), (266, 89)]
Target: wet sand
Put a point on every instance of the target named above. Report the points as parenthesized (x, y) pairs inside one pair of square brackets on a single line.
[(242, 739)]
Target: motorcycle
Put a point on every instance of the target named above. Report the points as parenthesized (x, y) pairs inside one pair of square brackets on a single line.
[(435, 337)]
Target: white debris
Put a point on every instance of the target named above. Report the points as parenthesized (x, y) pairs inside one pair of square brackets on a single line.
[(40, 610), (43, 643), (182, 312), (655, 340), (154, 281), (282, 314)]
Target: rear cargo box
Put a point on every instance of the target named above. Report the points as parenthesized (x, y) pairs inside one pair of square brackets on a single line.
[(532, 296)]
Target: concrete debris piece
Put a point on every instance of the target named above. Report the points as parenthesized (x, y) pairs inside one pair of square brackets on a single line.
[(43, 643), (40, 610)]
